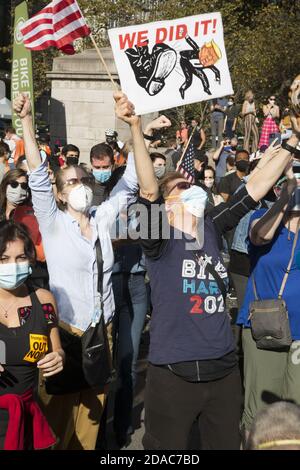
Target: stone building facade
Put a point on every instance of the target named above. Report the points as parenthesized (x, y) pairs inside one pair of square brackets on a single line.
[(82, 104)]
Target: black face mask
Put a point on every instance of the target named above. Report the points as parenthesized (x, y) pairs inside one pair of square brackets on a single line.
[(199, 175), (72, 161), (242, 165), (233, 147)]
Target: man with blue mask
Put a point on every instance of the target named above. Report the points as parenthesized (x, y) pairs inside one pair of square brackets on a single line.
[(102, 162)]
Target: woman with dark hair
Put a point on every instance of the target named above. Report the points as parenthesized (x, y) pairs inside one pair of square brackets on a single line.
[(209, 181), (29, 341), (14, 191), (15, 204)]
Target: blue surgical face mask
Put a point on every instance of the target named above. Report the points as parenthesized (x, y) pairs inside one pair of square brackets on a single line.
[(12, 275), (102, 175), (194, 200)]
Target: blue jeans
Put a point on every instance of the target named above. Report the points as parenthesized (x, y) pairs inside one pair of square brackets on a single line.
[(217, 126), (228, 129), (131, 308)]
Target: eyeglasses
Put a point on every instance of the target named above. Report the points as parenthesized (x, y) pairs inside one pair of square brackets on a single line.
[(89, 180), (181, 185), (15, 184)]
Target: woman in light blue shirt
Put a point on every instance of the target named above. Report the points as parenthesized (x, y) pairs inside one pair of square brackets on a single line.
[(69, 235)]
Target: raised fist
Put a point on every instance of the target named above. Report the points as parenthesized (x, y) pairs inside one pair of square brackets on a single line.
[(22, 105), (160, 122), (125, 109)]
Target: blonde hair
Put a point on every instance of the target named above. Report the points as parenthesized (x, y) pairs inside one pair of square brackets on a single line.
[(215, 48), (248, 94)]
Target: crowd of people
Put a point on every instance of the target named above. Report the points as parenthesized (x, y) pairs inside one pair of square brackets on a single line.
[(82, 242)]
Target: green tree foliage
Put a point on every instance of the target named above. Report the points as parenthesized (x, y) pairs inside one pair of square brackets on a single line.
[(261, 36)]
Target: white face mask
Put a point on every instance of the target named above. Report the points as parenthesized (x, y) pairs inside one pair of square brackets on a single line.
[(16, 195), (209, 183), (80, 198)]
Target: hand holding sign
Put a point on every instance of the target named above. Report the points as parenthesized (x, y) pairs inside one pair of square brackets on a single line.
[(125, 109)]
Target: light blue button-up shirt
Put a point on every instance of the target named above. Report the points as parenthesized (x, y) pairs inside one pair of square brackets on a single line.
[(71, 258)]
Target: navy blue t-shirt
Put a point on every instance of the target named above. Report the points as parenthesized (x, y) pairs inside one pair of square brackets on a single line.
[(269, 263), (189, 321)]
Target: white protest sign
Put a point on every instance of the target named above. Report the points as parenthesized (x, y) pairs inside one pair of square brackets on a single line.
[(171, 63)]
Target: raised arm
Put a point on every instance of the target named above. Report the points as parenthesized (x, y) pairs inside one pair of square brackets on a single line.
[(266, 110), (263, 230), (269, 154), (44, 204), (159, 123), (144, 167), (263, 181), (22, 107), (218, 151)]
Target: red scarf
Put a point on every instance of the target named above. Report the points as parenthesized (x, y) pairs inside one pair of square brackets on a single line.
[(21, 408)]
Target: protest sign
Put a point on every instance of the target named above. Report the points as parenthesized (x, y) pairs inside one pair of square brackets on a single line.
[(171, 63)]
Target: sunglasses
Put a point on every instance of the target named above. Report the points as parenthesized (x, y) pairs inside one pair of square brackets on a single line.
[(181, 185), (15, 184), (89, 180)]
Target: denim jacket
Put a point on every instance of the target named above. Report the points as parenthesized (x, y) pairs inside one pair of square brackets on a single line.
[(241, 234), (128, 258), (240, 242)]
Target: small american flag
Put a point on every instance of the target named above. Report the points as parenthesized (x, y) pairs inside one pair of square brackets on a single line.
[(186, 167), (57, 25)]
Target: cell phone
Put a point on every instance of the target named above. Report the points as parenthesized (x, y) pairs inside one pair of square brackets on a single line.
[(2, 352), (297, 153), (273, 136)]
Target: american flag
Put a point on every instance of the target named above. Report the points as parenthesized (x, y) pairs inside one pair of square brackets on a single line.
[(186, 166), (57, 25)]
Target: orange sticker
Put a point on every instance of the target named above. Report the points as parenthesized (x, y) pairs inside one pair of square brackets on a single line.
[(38, 348)]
